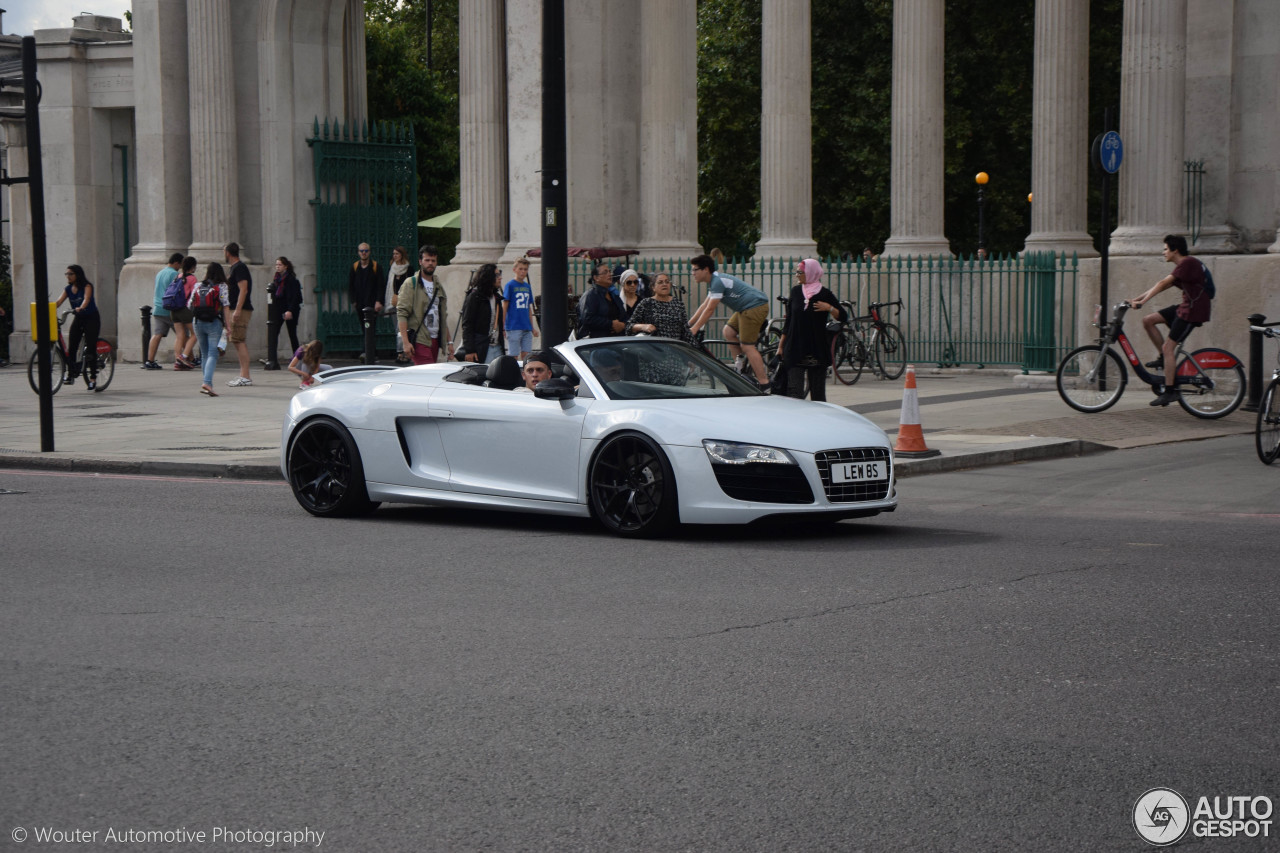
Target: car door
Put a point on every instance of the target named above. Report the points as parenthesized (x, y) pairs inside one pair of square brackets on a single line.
[(510, 443)]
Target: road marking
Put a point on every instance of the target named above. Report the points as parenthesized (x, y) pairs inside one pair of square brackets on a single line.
[(26, 472)]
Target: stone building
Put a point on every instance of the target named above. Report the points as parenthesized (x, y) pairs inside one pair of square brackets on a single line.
[(211, 117)]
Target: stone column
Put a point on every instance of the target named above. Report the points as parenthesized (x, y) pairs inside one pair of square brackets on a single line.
[(215, 216), (786, 147), (1153, 73), (524, 126), (1060, 129), (354, 62), (1211, 29), (163, 123), (916, 194), (669, 129), (482, 102)]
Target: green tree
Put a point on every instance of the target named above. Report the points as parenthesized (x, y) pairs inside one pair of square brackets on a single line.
[(402, 88)]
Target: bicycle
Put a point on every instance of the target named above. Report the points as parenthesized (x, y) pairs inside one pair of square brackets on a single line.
[(1091, 378), (868, 339), (1266, 435), (59, 358), (766, 345)]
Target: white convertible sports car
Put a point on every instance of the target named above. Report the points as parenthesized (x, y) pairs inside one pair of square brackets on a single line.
[(640, 433)]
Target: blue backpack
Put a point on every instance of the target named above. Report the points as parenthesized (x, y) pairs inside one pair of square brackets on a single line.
[(175, 295), (1209, 286)]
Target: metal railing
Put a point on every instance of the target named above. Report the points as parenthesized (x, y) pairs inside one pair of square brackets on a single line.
[(1008, 311), (1194, 172)]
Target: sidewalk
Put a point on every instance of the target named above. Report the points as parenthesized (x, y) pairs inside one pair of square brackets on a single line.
[(157, 422)]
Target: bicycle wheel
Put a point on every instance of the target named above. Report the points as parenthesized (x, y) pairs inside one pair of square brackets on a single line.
[(1217, 383), (59, 370), (844, 361), (890, 352), (768, 343), (1267, 434), (1091, 379), (106, 365)]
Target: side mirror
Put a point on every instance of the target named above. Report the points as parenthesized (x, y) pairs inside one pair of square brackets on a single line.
[(555, 389)]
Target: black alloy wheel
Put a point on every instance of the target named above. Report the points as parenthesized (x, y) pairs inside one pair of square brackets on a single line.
[(325, 472), (631, 487)]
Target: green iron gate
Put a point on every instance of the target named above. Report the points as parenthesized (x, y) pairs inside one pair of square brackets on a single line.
[(366, 192)]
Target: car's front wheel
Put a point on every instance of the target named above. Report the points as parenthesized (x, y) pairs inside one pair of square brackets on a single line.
[(632, 489), (325, 471)]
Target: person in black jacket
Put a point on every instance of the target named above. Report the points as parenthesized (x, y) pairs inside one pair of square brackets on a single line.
[(365, 284), (482, 317), (806, 344), (600, 313), (284, 302)]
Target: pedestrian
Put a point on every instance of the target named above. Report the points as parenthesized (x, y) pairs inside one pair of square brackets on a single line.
[(421, 309), (482, 317), (210, 302), (284, 302), (306, 363), (517, 306), (664, 315), (239, 287), (600, 311), (161, 317), (630, 284), (185, 336), (396, 274), (806, 344), (365, 284), (86, 324), (750, 309)]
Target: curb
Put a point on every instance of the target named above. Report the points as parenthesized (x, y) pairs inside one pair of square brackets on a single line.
[(148, 468), (987, 458)]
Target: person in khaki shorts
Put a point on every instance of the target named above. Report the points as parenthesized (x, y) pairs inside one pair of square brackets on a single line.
[(750, 309), (239, 285)]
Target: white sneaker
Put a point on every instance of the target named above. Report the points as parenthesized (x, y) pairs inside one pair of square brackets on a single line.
[(239, 382)]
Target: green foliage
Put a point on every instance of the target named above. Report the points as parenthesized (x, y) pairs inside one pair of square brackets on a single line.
[(401, 87)]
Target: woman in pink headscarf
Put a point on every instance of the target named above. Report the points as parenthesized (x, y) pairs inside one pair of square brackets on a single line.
[(806, 344)]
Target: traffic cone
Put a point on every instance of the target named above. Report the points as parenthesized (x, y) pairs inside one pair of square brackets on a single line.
[(910, 443)]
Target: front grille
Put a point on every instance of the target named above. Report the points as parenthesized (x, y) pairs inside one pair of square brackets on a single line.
[(764, 482), (873, 490)]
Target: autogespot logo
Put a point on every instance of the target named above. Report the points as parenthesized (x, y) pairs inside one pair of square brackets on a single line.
[(1161, 816)]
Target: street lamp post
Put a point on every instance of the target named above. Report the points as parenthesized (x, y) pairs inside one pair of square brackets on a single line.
[(981, 180)]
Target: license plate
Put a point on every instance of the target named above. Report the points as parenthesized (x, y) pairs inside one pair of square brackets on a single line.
[(858, 472)]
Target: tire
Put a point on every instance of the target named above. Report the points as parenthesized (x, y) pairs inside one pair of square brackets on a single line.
[(768, 343), (1106, 387), (325, 471), (845, 363), (631, 487), (58, 363), (1228, 384), (1267, 434), (106, 365), (890, 352)]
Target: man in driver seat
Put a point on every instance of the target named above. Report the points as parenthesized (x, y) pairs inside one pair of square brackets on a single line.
[(535, 370)]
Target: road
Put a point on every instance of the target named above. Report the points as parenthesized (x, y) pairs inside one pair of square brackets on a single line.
[(1006, 663)]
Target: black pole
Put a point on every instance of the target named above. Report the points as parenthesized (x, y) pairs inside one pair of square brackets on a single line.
[(555, 194), (1104, 316), (982, 241), (1254, 385), (146, 333), (370, 320), (39, 253)]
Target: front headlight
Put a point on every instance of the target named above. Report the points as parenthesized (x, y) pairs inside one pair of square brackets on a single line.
[(733, 453)]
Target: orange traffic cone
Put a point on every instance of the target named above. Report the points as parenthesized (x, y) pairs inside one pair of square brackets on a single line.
[(910, 436)]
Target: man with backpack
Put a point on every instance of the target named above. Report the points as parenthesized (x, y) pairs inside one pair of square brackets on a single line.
[(169, 292), (1193, 279)]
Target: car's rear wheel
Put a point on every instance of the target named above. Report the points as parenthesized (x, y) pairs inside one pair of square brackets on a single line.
[(631, 486), (325, 471)]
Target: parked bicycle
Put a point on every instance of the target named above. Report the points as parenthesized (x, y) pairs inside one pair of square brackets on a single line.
[(868, 339), (59, 359), (1091, 378), (1266, 435)]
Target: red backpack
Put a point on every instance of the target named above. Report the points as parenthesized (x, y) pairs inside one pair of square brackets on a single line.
[(205, 301)]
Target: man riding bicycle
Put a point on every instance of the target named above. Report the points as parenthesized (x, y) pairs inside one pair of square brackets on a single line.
[(1189, 276)]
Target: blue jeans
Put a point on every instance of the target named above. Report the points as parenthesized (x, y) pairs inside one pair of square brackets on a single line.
[(207, 334)]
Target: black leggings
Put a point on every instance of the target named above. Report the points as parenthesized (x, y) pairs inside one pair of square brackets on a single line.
[(275, 319), (85, 326), (817, 382)]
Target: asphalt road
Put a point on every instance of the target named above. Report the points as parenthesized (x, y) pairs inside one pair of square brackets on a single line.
[(1006, 663)]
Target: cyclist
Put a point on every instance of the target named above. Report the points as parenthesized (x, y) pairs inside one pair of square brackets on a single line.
[(1192, 312), (750, 307), (87, 324)]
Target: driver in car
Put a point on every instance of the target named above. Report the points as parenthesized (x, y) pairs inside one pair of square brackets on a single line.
[(535, 370)]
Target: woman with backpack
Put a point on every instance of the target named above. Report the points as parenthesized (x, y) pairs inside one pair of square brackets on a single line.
[(209, 303), (185, 345)]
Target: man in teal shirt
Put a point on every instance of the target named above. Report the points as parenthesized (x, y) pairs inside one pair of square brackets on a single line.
[(750, 309), (161, 320)]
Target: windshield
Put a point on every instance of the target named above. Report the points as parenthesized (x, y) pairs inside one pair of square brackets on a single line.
[(661, 370)]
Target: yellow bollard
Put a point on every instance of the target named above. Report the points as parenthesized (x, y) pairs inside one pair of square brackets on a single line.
[(53, 322)]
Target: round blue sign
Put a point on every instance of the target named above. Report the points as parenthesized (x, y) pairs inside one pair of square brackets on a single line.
[(1112, 152)]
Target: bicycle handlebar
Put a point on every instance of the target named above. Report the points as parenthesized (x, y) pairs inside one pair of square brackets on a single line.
[(874, 305), (1268, 331)]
